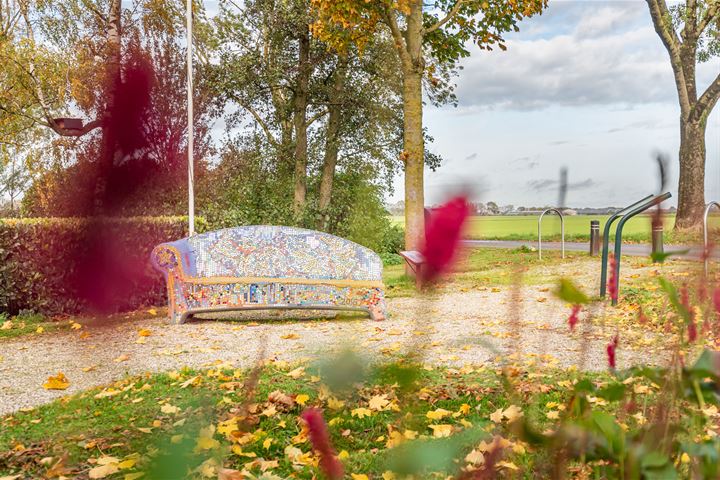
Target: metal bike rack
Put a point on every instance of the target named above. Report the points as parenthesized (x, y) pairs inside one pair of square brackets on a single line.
[(562, 231), (705, 232), (618, 232), (606, 241)]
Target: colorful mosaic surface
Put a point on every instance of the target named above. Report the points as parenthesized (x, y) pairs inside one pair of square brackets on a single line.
[(281, 252), (269, 266)]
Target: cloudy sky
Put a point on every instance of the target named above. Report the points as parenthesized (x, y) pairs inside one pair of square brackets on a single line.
[(587, 86)]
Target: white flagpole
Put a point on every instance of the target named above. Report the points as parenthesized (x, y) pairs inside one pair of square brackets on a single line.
[(191, 173)]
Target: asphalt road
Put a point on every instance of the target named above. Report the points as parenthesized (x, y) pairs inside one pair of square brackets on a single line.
[(634, 249)]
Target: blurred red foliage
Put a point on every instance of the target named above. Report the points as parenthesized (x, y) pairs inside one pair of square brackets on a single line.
[(443, 234), (320, 439)]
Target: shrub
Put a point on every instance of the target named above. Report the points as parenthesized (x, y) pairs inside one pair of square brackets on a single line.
[(393, 239), (68, 265), (389, 259), (243, 190)]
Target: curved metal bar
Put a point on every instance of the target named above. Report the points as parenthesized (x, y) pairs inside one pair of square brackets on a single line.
[(562, 231), (705, 232), (618, 231), (606, 241)]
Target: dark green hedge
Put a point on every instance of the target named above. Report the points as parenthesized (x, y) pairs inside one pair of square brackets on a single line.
[(69, 265)]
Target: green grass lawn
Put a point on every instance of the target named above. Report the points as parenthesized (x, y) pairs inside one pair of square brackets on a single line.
[(577, 228), (166, 425), (483, 267), (385, 420), (28, 324), (383, 415)]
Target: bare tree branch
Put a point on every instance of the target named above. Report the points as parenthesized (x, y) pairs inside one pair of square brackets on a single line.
[(400, 44), (689, 33), (663, 26), (317, 116), (101, 16), (258, 119), (710, 15), (707, 101), (453, 11)]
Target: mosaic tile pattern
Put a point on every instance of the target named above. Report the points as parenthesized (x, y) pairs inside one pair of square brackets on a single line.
[(221, 270), (282, 252)]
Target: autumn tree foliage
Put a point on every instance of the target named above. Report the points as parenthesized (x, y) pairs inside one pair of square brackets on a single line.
[(54, 68), (430, 39), (310, 110), (690, 32)]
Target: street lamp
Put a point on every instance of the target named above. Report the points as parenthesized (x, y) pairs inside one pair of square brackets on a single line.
[(70, 124)]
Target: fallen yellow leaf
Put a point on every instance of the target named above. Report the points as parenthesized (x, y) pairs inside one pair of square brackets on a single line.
[(169, 409), (438, 414), (378, 402), (297, 373), (270, 411), (496, 416), (206, 441), (361, 412), (302, 399), (440, 431), (475, 457), (508, 465), (512, 413), (102, 471), (129, 463), (58, 382), (144, 332)]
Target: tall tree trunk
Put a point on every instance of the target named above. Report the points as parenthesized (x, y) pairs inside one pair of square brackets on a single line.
[(332, 143), (682, 48), (691, 188), (414, 152), (300, 122), (413, 141), (108, 144)]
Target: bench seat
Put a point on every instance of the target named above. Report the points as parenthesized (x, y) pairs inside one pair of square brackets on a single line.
[(269, 267)]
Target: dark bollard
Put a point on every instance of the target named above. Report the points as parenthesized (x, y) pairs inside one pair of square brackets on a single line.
[(594, 237), (657, 239)]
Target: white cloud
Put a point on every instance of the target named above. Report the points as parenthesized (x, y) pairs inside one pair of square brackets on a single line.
[(608, 19), (604, 55)]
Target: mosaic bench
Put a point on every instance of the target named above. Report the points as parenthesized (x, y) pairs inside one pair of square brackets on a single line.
[(268, 267)]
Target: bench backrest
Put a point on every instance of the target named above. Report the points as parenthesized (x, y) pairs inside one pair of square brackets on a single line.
[(280, 252)]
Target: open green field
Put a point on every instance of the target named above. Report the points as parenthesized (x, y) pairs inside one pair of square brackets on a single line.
[(577, 228)]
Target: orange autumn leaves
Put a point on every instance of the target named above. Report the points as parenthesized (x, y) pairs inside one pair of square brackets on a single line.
[(57, 382)]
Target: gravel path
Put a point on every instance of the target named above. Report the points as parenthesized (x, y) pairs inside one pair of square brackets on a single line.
[(455, 328)]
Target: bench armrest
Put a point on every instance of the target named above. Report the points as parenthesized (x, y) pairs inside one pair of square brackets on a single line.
[(166, 259)]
